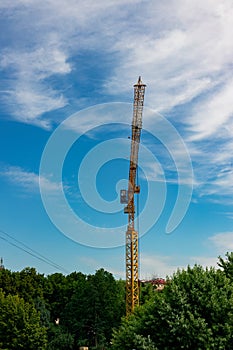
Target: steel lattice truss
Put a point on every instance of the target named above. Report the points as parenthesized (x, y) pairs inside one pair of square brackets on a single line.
[(132, 263)]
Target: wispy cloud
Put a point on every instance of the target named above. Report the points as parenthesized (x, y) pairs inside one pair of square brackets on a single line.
[(223, 241), (176, 53), (213, 170), (152, 171), (172, 45), (29, 181), (204, 261), (28, 95), (151, 265), (178, 57), (156, 265), (162, 266), (211, 117)]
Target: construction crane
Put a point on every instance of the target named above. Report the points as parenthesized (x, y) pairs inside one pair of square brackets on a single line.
[(127, 197)]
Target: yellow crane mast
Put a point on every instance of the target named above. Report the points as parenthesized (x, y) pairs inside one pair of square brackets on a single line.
[(127, 196)]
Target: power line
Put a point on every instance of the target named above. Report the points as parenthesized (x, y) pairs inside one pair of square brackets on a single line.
[(31, 251)]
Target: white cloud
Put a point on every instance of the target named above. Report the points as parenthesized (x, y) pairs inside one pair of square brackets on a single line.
[(229, 214), (162, 266), (204, 261), (222, 241), (43, 61), (152, 171), (224, 180), (156, 265), (29, 181), (31, 103), (178, 58), (174, 47), (213, 171), (211, 117), (183, 50), (28, 95)]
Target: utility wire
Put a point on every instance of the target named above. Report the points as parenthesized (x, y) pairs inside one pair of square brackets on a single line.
[(31, 251)]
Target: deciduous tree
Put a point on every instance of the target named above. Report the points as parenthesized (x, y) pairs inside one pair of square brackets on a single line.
[(20, 326), (194, 311)]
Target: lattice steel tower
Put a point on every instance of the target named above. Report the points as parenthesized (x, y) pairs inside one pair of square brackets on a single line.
[(127, 196)]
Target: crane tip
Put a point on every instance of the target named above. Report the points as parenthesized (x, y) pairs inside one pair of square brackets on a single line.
[(139, 82)]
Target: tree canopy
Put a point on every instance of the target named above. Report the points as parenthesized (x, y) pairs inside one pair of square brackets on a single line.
[(86, 307), (20, 326), (194, 311)]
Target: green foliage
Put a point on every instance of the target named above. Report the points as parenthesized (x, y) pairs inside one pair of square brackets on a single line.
[(143, 343), (20, 326), (194, 311), (146, 292), (7, 282), (60, 339), (104, 311), (227, 265), (87, 306), (28, 284), (55, 294), (94, 309), (40, 306)]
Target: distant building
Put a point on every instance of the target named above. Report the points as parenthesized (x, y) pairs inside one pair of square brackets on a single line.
[(157, 283), (1, 264)]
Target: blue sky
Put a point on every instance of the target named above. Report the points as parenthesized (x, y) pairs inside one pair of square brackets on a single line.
[(67, 76)]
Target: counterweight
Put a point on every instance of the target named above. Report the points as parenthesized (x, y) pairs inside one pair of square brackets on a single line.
[(132, 261)]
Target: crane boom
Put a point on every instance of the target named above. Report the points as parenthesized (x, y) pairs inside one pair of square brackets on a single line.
[(132, 263)]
